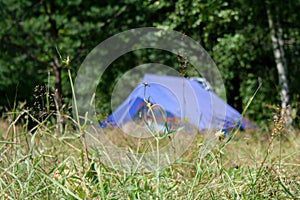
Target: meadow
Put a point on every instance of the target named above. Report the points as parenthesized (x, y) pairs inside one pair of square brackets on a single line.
[(237, 46), (43, 164)]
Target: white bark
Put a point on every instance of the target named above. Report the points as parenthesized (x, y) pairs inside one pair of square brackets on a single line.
[(281, 65)]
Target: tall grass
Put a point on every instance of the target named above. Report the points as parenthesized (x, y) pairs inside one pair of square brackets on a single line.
[(47, 165)]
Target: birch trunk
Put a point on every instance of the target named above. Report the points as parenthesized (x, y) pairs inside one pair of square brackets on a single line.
[(58, 96), (281, 65)]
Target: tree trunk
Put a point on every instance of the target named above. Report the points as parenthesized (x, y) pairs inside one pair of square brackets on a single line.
[(58, 95), (281, 65), (234, 97), (57, 67)]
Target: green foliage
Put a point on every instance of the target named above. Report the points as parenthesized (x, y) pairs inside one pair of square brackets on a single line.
[(235, 33)]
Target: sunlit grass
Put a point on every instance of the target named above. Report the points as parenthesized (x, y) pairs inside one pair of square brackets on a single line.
[(46, 165)]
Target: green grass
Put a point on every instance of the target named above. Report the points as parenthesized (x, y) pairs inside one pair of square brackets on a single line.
[(47, 165)]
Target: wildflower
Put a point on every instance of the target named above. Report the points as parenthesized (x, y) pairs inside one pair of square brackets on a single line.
[(67, 61), (57, 175), (221, 134)]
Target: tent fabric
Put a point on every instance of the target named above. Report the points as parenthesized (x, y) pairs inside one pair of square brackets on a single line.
[(182, 98)]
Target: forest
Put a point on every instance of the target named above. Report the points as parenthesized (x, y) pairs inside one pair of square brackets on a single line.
[(251, 42)]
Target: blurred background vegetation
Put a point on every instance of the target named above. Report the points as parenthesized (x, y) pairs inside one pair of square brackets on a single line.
[(36, 36)]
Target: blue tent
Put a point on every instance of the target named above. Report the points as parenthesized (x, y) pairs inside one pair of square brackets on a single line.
[(181, 99)]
